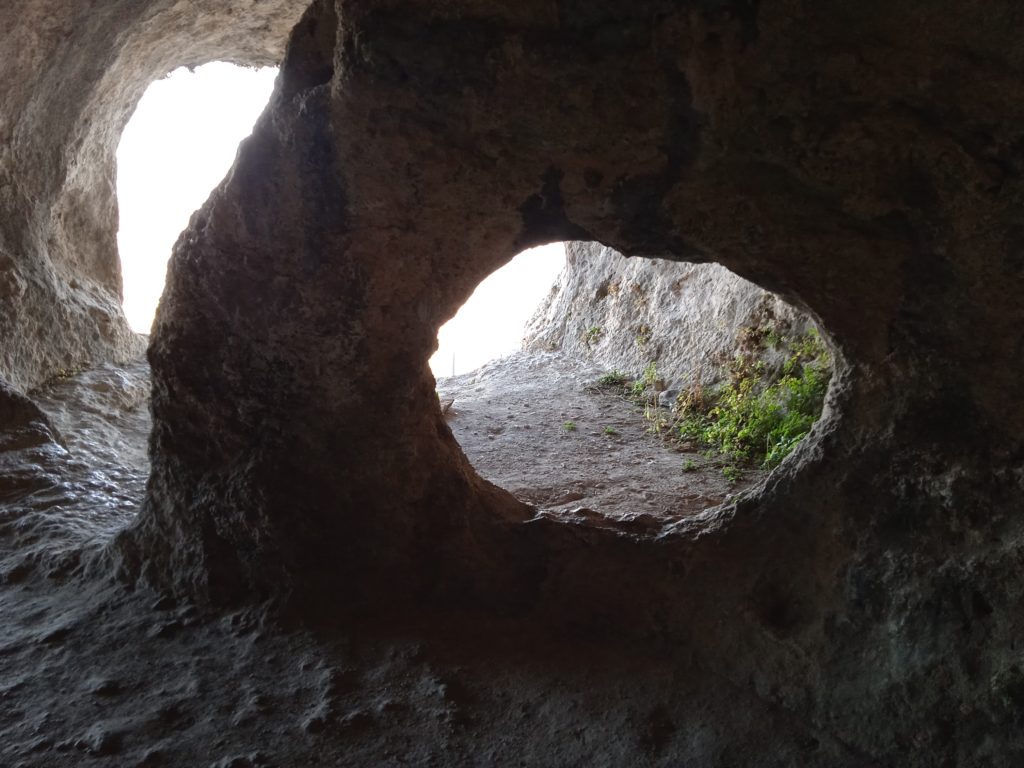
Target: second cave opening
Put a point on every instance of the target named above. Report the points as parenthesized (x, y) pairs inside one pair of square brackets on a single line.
[(644, 387)]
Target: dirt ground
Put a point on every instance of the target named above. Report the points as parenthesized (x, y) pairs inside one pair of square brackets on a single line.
[(537, 425)]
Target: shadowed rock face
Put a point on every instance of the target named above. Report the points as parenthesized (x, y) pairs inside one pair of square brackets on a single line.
[(862, 160), (860, 164)]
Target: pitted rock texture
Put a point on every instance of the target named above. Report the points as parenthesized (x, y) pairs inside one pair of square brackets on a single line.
[(691, 320), (861, 160), (73, 74), (842, 156)]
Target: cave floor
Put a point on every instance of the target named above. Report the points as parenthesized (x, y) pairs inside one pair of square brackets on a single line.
[(94, 674), (537, 424)]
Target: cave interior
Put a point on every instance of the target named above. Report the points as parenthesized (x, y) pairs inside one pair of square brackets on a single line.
[(305, 568)]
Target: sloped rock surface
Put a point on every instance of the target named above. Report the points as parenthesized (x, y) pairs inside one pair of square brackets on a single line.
[(691, 320)]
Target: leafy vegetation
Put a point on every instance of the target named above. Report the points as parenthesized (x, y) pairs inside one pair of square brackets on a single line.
[(645, 392), (569, 426), (765, 336), (613, 379), (731, 473), (591, 335), (748, 421), (755, 418), (645, 388)]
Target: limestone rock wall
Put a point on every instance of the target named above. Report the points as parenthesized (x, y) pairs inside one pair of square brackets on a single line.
[(72, 76), (846, 156), (691, 320)]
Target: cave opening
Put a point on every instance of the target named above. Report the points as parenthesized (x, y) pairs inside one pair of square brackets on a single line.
[(644, 388), (178, 145), (490, 324)]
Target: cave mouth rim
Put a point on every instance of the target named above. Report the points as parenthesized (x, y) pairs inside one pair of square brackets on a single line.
[(761, 490), (202, 96)]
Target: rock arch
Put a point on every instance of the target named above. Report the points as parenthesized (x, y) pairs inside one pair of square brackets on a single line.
[(406, 157), (370, 202)]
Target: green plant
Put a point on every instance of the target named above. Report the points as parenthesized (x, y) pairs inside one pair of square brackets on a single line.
[(645, 388), (67, 373), (611, 431), (613, 379), (650, 376), (569, 426), (749, 420), (689, 466), (591, 335), (645, 392), (731, 473), (765, 336), (643, 336), (657, 418), (692, 400)]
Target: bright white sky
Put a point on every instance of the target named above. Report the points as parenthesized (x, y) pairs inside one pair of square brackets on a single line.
[(176, 148), (491, 323), (180, 143)]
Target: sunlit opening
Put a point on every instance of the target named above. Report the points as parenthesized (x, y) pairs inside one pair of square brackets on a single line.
[(176, 148), (491, 323), (179, 145)]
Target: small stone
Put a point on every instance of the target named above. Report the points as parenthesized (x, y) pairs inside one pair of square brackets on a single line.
[(316, 721), (356, 719), (165, 629), (100, 741), (237, 761), (152, 757), (103, 686), (56, 634), (40, 744)]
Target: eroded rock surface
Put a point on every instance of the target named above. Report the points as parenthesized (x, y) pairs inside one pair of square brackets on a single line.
[(690, 320), (835, 154), (863, 161), (89, 671), (73, 470)]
